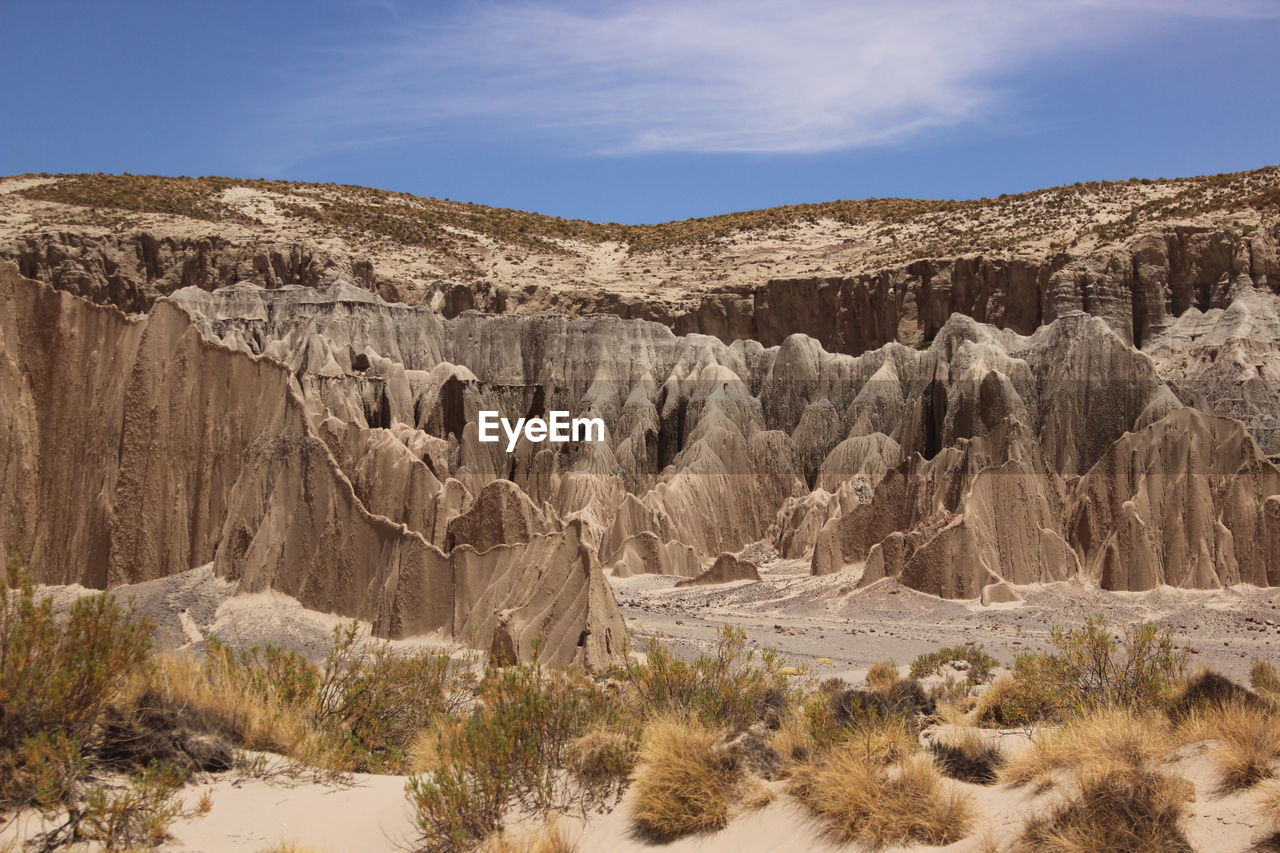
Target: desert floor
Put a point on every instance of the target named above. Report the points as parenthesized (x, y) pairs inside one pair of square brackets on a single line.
[(825, 624)]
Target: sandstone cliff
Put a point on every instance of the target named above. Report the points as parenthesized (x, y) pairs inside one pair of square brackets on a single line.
[(1101, 411)]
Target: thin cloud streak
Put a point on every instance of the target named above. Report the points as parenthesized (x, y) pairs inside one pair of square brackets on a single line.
[(747, 76)]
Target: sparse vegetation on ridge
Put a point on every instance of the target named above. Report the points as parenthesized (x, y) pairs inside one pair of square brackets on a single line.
[(438, 223)]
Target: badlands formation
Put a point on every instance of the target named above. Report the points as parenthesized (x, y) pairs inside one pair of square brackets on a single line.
[(283, 382)]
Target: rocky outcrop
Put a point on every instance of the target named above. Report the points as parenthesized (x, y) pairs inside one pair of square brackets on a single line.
[(131, 270), (726, 569), (645, 554), (1182, 503), (137, 448), (1227, 361), (1137, 286), (318, 440)]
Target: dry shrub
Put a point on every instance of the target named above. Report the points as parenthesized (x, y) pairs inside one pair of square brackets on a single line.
[(902, 699), (683, 783), (972, 659), (1264, 679), (857, 798), (966, 755), (1119, 811), (1244, 743), (601, 757), (1098, 743), (551, 837), (883, 675), (215, 697), (1267, 795)]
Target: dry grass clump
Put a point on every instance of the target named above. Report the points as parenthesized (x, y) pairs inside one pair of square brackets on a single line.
[(999, 705), (424, 754), (551, 837), (1117, 811), (222, 702), (792, 739), (1106, 740), (683, 783), (601, 756), (1207, 690), (1267, 797), (1264, 679), (967, 755), (858, 798), (1244, 742), (883, 675)]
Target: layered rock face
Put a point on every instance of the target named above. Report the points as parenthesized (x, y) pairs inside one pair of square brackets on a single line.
[(1067, 453), (851, 275), (310, 437), (136, 448), (1137, 286)]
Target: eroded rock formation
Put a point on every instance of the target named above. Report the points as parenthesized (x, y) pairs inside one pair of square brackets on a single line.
[(321, 441)]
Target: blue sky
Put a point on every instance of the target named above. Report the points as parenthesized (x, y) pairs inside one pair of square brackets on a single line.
[(645, 111)]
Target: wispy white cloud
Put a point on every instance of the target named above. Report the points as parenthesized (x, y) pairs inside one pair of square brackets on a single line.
[(713, 75)]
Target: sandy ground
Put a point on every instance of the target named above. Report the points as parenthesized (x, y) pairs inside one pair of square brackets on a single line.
[(370, 814), (190, 607), (807, 618)]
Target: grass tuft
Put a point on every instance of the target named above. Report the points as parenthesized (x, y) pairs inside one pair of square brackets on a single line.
[(967, 755), (683, 784), (857, 798), (1120, 811)]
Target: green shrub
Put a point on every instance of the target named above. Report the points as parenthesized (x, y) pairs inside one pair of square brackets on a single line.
[(980, 664), (43, 771), (378, 699), (57, 675), (728, 688), (1088, 669), (136, 815), (509, 751)]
